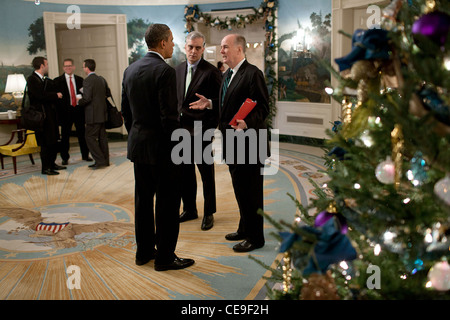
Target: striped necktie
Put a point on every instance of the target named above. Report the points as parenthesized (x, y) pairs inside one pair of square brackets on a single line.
[(225, 84)]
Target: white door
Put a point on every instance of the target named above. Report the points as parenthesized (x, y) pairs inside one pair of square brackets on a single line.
[(96, 42)]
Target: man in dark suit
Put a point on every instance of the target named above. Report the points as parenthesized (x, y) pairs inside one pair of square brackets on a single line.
[(241, 81), (197, 76), (42, 91), (95, 91), (149, 108), (69, 112)]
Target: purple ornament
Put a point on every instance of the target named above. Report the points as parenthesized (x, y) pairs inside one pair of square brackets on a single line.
[(434, 25), (324, 216)]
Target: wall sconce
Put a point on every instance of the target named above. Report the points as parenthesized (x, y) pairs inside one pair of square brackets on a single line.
[(302, 44)]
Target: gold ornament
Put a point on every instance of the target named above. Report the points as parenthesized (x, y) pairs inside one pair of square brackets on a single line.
[(347, 110), (319, 287), (397, 149), (287, 272), (362, 71), (332, 207), (362, 94), (429, 6)]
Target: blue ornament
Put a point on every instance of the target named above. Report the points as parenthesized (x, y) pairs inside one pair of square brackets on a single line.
[(432, 101), (418, 174), (417, 266), (366, 45)]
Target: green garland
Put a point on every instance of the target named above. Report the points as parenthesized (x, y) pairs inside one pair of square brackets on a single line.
[(266, 11)]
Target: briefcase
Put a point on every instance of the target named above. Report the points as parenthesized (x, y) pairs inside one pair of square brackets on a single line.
[(32, 116), (115, 119)]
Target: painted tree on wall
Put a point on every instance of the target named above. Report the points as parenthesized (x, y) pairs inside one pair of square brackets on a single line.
[(136, 43), (36, 32)]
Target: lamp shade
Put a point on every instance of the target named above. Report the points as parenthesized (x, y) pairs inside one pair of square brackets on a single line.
[(15, 83)]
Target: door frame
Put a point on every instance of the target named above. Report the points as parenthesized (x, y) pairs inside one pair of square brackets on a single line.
[(51, 19)]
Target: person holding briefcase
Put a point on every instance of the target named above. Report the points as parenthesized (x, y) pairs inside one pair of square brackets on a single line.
[(95, 91)]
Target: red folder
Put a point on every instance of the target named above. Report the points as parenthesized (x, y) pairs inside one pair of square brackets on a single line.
[(244, 110)]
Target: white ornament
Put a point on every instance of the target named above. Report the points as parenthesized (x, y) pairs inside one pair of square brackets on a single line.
[(442, 189), (385, 171), (439, 276)]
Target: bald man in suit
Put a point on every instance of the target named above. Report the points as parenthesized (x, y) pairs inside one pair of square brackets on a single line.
[(241, 81)]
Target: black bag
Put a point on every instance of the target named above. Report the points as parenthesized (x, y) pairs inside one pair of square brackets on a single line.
[(114, 119), (32, 116)]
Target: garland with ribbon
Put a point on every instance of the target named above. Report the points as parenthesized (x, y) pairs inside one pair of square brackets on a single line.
[(266, 11)]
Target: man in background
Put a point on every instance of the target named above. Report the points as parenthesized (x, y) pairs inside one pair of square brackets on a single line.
[(149, 108), (95, 91), (42, 92), (70, 113), (197, 76)]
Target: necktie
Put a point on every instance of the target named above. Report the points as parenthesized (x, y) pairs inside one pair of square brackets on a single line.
[(188, 79), (73, 97), (225, 84)]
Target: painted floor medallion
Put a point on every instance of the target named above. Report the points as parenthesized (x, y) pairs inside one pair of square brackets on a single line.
[(80, 223)]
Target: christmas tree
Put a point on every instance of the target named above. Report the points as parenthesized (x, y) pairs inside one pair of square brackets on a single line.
[(379, 228)]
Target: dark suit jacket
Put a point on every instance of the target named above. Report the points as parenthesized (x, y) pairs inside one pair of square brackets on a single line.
[(206, 81), (44, 92), (248, 82), (65, 104), (95, 91), (149, 108)]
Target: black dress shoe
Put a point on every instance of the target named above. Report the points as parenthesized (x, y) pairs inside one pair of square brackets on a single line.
[(97, 166), (50, 172), (56, 167), (143, 260), (207, 222), (178, 263), (88, 159), (234, 236), (188, 215), (246, 246)]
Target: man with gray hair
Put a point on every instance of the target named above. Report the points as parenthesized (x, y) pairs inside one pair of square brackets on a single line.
[(197, 77)]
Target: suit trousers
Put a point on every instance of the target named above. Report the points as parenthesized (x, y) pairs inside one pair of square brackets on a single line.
[(49, 151), (189, 183), (248, 184), (75, 115), (157, 224), (97, 142)]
